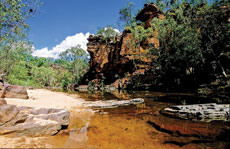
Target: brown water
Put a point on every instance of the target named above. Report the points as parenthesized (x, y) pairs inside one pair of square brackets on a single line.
[(141, 126)]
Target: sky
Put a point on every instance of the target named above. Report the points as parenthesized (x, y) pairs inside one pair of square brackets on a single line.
[(62, 24)]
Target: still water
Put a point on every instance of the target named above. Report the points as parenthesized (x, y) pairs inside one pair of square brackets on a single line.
[(142, 126)]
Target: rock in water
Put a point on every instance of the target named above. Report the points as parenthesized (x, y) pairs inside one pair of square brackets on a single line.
[(25, 121), (113, 103), (199, 112)]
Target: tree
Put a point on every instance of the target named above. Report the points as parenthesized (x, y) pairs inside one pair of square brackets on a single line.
[(126, 15), (192, 38), (107, 33), (14, 14), (11, 54), (76, 57), (139, 33)]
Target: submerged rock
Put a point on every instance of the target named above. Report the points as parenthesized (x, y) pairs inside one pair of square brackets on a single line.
[(183, 132), (113, 103), (199, 112), (30, 121)]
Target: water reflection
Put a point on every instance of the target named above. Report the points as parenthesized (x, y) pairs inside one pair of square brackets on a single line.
[(144, 127)]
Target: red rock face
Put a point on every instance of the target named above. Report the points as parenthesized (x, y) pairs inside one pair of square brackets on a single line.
[(149, 12), (116, 62)]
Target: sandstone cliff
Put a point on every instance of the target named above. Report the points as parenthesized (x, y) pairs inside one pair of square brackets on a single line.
[(117, 62)]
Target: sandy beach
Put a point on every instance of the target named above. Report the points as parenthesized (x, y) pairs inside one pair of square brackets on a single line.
[(41, 98)]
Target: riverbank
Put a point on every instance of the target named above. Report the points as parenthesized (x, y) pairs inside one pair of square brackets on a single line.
[(41, 98), (112, 122)]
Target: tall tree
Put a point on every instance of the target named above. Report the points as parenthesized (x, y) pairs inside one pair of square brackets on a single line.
[(126, 14), (193, 38), (14, 14), (76, 57)]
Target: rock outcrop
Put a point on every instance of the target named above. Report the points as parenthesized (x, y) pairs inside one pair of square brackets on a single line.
[(149, 12), (199, 112), (12, 91), (117, 62), (26, 121)]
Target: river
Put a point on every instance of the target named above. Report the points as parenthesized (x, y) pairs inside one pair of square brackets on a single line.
[(142, 126)]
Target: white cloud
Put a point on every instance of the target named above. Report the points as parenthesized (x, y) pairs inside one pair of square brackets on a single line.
[(116, 30), (70, 41)]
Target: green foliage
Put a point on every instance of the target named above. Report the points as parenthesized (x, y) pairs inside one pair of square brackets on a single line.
[(75, 61), (38, 72), (107, 33), (10, 55), (139, 33), (21, 68), (126, 14), (192, 36), (161, 4), (92, 86), (14, 14)]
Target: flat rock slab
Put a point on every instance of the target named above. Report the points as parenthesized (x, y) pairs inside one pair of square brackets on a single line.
[(199, 112), (26, 121), (113, 103)]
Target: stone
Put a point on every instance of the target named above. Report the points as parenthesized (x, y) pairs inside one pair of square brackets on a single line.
[(148, 13), (199, 112), (113, 103), (7, 113), (26, 121), (2, 101), (12, 91), (15, 91), (2, 89)]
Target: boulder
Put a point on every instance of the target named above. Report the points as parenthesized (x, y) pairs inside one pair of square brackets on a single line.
[(113, 103), (25, 121), (15, 91), (7, 113), (12, 91), (148, 13), (199, 112)]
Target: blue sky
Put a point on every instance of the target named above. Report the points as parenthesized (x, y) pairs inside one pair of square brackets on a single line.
[(58, 23)]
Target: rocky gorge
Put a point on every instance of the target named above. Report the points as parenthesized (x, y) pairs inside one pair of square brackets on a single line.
[(42, 118)]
